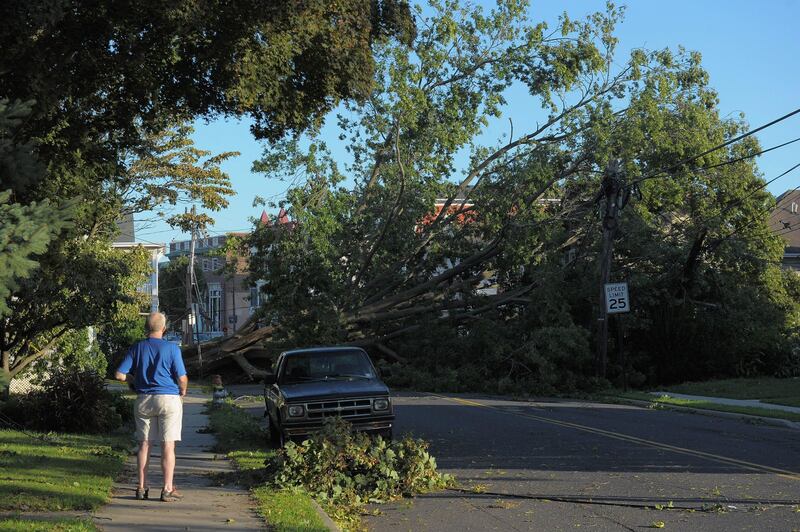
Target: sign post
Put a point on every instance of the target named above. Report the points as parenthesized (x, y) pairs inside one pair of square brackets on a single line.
[(618, 302)]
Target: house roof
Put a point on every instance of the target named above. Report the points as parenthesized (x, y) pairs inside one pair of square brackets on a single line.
[(784, 219), (126, 228), (283, 216)]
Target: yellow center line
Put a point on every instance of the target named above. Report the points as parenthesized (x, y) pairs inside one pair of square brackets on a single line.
[(633, 439)]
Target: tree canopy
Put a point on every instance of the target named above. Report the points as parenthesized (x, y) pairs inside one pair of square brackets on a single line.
[(95, 98), (369, 262)]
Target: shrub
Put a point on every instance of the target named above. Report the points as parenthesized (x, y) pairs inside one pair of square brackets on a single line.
[(75, 349), (347, 469), (73, 400)]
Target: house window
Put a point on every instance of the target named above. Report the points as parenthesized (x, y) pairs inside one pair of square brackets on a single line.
[(205, 265), (257, 297), (214, 303), (254, 298), (794, 208)]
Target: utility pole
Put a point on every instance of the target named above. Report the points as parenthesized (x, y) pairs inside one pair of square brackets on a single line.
[(197, 319), (188, 337), (616, 194), (233, 302)]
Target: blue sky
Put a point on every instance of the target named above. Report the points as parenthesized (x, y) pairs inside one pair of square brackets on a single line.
[(750, 48)]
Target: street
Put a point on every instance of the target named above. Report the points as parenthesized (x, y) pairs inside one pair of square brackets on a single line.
[(570, 464)]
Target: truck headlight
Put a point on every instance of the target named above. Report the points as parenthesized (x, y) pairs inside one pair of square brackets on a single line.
[(380, 404), (296, 411)]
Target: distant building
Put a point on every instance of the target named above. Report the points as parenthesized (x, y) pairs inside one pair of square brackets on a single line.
[(229, 299), (226, 302), (784, 220), (126, 239)]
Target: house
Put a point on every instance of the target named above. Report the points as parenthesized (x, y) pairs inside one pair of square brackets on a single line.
[(784, 220), (126, 239)]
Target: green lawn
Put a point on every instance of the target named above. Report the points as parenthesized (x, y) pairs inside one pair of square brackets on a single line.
[(245, 442), (706, 405), (66, 472), (770, 390), (72, 472), (63, 525)]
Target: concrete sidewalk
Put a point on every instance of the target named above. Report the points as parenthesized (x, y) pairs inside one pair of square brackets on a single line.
[(205, 507), (732, 402)]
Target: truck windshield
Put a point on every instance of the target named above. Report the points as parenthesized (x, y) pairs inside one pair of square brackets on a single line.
[(326, 365)]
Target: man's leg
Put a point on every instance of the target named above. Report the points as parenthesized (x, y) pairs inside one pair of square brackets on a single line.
[(142, 460), (143, 418), (170, 422), (168, 464)]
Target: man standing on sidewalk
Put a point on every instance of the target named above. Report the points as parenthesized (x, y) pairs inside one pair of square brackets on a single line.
[(154, 369)]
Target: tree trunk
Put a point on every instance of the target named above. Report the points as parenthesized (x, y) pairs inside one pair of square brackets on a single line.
[(5, 391)]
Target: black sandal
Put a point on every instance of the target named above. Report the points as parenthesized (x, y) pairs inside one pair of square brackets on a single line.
[(142, 494)]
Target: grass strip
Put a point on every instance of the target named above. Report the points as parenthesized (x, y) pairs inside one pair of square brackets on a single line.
[(61, 525), (240, 436), (65, 472), (706, 405), (784, 391), (283, 512)]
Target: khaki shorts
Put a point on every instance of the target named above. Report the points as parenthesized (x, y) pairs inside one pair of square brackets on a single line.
[(158, 417)]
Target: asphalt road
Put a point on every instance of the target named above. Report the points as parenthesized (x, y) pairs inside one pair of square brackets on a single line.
[(575, 465)]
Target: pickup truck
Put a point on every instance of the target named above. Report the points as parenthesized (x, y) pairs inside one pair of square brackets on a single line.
[(309, 385)]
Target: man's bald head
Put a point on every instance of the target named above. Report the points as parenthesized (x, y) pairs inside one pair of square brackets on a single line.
[(156, 324)]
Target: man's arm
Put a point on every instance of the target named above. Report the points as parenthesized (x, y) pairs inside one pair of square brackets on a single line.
[(125, 368), (183, 384), (126, 377)]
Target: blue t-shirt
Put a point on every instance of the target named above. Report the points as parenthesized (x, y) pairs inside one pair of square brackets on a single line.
[(156, 365)]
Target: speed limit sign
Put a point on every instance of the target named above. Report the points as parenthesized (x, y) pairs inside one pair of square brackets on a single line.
[(617, 298)]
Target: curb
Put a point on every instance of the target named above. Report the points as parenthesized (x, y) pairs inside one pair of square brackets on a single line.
[(326, 519), (775, 422)]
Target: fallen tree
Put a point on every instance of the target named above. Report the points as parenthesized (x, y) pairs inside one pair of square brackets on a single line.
[(369, 261)]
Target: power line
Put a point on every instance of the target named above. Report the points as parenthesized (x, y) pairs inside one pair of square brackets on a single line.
[(792, 230), (142, 239), (750, 194), (658, 173), (762, 212), (751, 156), (158, 232)]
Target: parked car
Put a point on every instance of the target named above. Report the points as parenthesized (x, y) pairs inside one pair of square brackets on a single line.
[(208, 336), (309, 385), (175, 338)]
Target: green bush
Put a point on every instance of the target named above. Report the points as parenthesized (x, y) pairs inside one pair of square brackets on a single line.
[(75, 349), (346, 469), (71, 400)]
